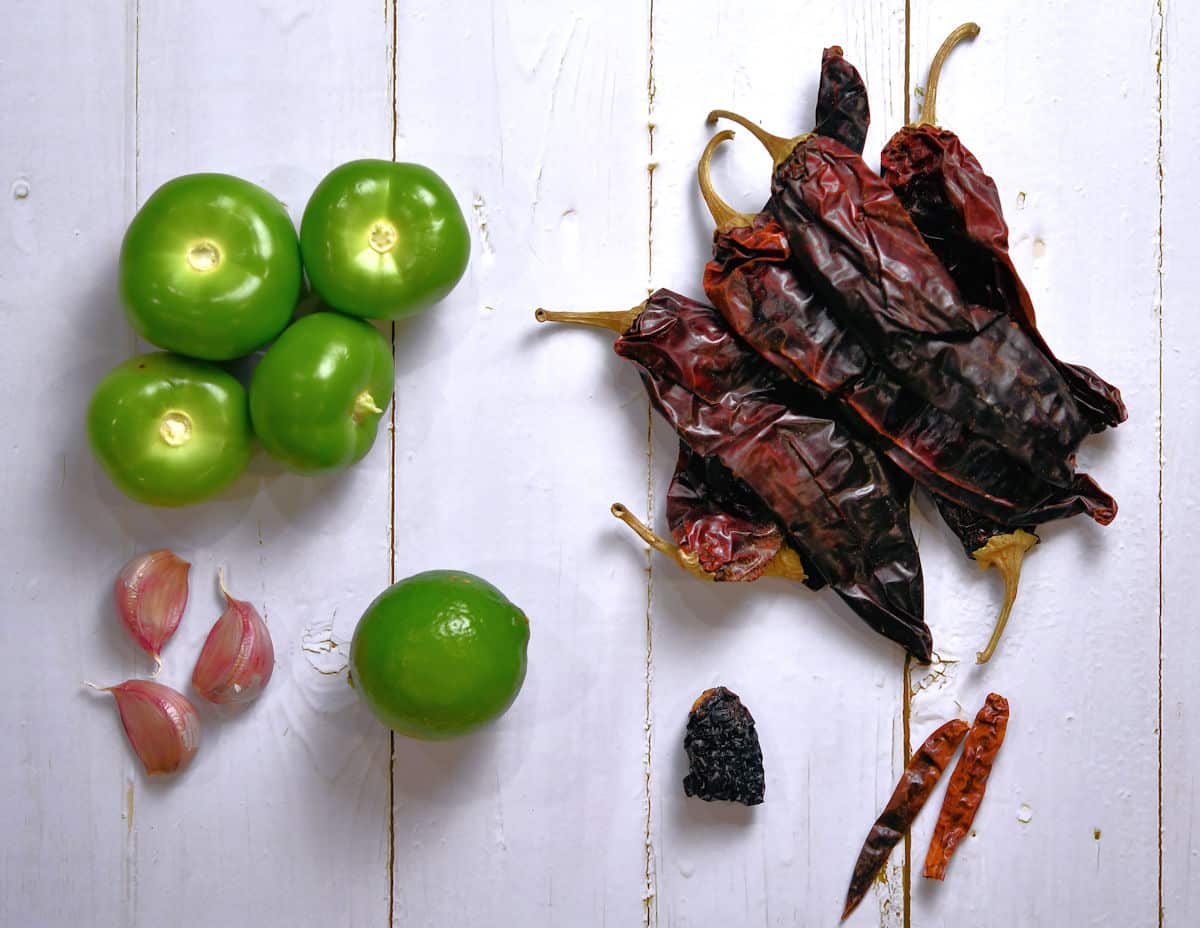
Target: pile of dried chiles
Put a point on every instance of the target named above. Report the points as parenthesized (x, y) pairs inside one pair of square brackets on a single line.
[(867, 332)]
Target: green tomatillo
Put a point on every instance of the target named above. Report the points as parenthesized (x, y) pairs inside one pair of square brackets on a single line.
[(318, 394), (169, 430), (383, 240), (210, 267)]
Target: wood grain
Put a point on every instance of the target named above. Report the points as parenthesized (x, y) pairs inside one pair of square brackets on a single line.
[(1061, 110), (825, 691), (570, 132), (512, 440)]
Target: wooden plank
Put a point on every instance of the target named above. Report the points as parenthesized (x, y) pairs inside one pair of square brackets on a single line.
[(1060, 107), (284, 816), (511, 442), (1180, 709), (66, 92), (824, 690)]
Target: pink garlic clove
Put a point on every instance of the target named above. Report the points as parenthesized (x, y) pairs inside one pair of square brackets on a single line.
[(237, 658), (151, 592), (161, 724)]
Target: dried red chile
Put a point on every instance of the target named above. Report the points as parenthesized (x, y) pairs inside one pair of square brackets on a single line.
[(724, 757), (753, 282), (843, 110), (718, 518), (844, 510), (956, 207)]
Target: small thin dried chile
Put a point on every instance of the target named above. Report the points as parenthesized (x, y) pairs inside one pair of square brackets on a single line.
[(724, 756), (850, 235), (753, 282), (837, 500), (956, 207), (967, 784), (715, 516), (920, 776), (843, 110)]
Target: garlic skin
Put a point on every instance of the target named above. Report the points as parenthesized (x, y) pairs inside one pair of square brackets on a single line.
[(151, 593), (161, 724), (237, 658)]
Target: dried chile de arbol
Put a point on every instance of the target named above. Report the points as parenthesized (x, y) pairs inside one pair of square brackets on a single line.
[(967, 784), (849, 234), (724, 757), (956, 207), (836, 499), (771, 304), (920, 776)]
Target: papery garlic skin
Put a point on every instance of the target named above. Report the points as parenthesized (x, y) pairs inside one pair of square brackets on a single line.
[(151, 593), (237, 658), (161, 724)]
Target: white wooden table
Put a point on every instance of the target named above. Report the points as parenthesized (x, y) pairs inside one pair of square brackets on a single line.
[(570, 132)]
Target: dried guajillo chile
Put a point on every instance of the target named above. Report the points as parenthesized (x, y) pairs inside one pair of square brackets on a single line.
[(768, 302), (843, 110), (723, 531), (967, 784), (956, 207), (854, 241), (920, 776), (836, 499)]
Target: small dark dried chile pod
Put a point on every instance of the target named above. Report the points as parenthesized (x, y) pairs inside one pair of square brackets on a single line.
[(724, 756)]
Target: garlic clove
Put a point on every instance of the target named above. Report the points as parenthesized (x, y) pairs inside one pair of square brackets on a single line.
[(237, 658), (151, 592), (161, 724)]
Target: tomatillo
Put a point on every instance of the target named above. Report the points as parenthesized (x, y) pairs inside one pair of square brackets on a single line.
[(383, 240), (318, 394), (210, 267), (169, 430), (439, 654)]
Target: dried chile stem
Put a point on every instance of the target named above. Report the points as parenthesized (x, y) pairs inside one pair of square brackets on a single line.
[(929, 105), (778, 148), (1005, 553), (617, 322), (724, 215), (689, 562), (786, 563)]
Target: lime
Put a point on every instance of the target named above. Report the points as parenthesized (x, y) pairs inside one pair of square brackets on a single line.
[(439, 654)]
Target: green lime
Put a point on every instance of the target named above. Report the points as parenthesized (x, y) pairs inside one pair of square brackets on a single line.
[(439, 654)]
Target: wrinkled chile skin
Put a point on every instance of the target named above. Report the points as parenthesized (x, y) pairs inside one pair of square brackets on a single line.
[(838, 502), (734, 536), (843, 110), (755, 286), (956, 207), (850, 235)]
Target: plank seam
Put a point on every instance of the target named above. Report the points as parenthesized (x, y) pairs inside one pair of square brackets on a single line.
[(391, 861), (649, 889), (1160, 48)]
